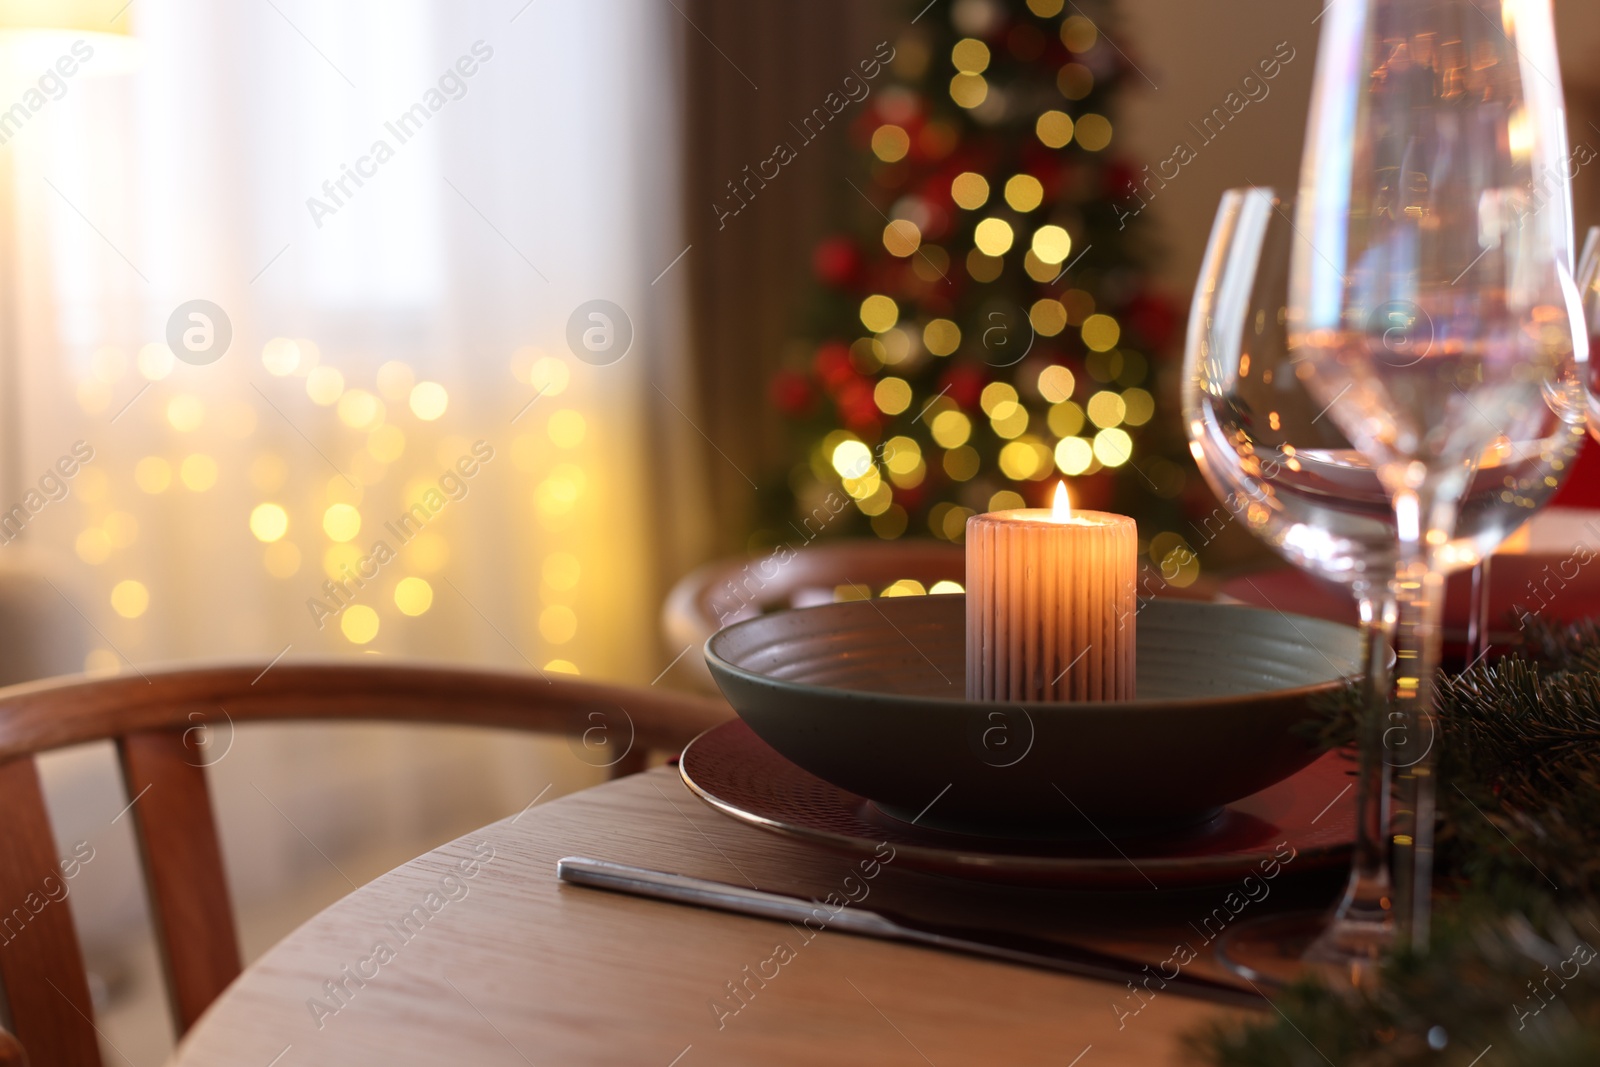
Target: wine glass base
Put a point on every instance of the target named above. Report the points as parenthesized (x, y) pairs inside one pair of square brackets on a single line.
[(1277, 950)]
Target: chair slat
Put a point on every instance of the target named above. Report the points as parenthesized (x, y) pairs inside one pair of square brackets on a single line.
[(40, 965), (183, 869)]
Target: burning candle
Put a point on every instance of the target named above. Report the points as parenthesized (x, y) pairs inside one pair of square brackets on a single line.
[(1050, 604)]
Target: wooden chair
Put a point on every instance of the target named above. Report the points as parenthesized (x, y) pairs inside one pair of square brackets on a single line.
[(152, 718), (727, 590)]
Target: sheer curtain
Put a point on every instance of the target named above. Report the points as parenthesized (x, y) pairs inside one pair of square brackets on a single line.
[(396, 207)]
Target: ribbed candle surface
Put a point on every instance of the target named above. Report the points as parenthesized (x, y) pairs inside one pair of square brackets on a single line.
[(1050, 606)]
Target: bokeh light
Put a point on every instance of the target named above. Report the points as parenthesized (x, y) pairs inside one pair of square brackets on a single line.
[(269, 522)]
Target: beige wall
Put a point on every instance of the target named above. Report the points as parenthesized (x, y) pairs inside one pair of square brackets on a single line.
[(1195, 52)]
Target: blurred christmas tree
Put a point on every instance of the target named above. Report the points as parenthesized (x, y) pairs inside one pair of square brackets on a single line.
[(990, 328)]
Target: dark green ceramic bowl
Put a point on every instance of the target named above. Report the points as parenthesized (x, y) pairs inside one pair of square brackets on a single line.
[(870, 696)]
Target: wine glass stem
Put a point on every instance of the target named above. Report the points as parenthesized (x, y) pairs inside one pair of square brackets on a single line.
[(1411, 739), (1362, 927)]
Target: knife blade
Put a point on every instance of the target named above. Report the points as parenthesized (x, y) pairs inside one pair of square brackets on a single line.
[(865, 922)]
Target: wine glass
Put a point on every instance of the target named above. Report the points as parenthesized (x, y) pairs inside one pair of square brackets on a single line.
[(1286, 470), (1589, 296), (1432, 306)]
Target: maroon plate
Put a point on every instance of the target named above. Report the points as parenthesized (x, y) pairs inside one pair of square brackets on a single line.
[(1311, 813)]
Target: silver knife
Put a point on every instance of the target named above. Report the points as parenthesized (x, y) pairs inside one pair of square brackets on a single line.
[(993, 944)]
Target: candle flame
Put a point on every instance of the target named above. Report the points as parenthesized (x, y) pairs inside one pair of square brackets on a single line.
[(1061, 510)]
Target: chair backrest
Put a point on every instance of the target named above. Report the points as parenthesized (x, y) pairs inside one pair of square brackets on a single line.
[(728, 590), (153, 719)]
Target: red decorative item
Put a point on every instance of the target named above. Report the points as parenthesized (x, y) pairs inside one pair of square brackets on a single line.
[(837, 262), (792, 393), (964, 384), (833, 365)]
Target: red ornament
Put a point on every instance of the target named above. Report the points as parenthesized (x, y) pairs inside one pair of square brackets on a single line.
[(832, 363), (836, 261), (964, 384), (857, 408), (792, 393)]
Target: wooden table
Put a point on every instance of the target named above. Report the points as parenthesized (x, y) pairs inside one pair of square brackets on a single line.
[(475, 954)]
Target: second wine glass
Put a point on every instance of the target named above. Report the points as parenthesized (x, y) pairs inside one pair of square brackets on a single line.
[(1288, 473)]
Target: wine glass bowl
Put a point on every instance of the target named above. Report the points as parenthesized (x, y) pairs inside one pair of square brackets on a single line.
[(1271, 451)]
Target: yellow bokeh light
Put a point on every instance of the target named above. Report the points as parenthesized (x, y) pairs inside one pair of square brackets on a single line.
[(902, 238), (1079, 34), (567, 428), (198, 472), (1075, 81), (970, 55), (429, 399), (879, 313), (941, 337), (993, 237), (1056, 384), (360, 410), (558, 624), (1052, 244), (341, 522), (185, 412), (852, 459), (386, 444), (549, 376), (413, 596), (962, 463), (969, 190), (1045, 9), (1066, 419), (152, 474), (983, 268), (281, 559), (951, 429), (1093, 131), (1113, 447), (1140, 407), (1024, 192), (969, 90), (945, 585), (122, 528), (994, 394), (561, 570), (325, 385), (1048, 317), (561, 666), (155, 361), (281, 356), (1006, 499), (395, 380), (359, 623), (1105, 409), (129, 598), (1101, 333), (93, 546), (890, 143), (269, 522), (1054, 129), (902, 455), (1073, 455), (1009, 420), (905, 587), (892, 395), (1018, 461)]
